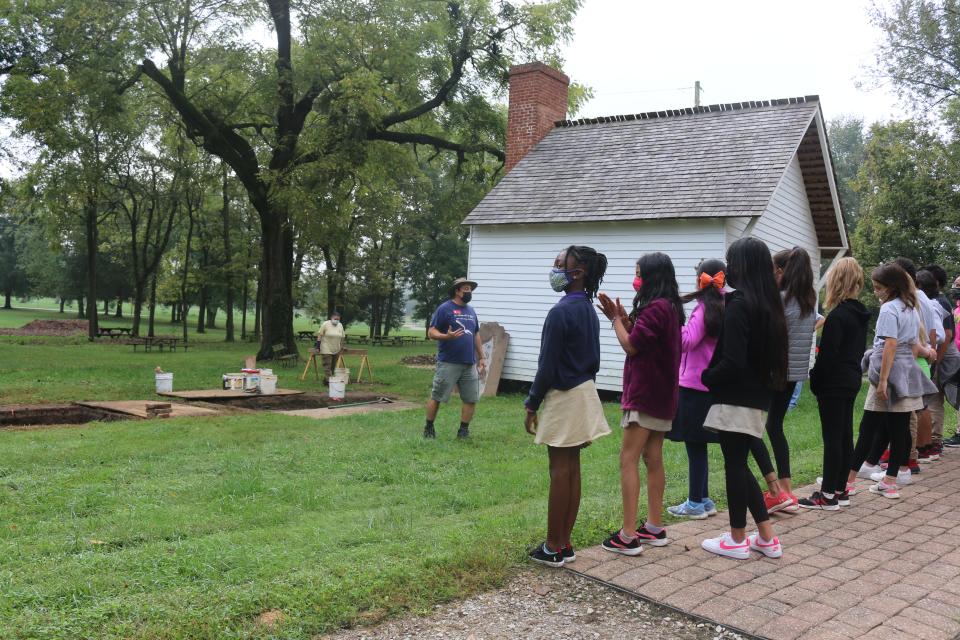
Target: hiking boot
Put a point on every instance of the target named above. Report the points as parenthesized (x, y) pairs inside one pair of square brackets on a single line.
[(428, 431), (464, 432)]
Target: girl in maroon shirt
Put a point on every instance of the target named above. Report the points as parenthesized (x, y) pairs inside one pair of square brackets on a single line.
[(650, 336)]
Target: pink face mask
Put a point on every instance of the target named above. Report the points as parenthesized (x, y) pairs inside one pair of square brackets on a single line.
[(637, 283)]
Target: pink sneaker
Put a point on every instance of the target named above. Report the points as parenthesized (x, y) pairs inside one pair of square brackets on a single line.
[(771, 549), (776, 503), (794, 505), (724, 545), (886, 490)]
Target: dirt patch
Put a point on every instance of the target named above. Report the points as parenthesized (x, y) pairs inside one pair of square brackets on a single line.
[(49, 328), (545, 604), (421, 360), (289, 403), (39, 415), (270, 619)]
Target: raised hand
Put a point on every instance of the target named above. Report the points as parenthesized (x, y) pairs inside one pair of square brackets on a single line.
[(607, 306), (453, 335)]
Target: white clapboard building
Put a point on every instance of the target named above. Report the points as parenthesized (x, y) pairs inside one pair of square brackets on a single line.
[(687, 182)]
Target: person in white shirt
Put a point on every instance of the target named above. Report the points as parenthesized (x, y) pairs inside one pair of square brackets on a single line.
[(330, 338)]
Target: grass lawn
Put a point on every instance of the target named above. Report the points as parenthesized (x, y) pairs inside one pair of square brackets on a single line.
[(190, 528)]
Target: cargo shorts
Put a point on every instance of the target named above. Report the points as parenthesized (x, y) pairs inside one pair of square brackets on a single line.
[(450, 374)]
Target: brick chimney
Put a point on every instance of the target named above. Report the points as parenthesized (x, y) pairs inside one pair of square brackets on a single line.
[(538, 98)]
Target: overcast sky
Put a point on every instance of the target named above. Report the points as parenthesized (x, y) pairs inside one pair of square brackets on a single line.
[(640, 55)]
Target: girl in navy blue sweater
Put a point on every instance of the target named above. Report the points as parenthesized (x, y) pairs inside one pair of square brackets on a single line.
[(572, 414)]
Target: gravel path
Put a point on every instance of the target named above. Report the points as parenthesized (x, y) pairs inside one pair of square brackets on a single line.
[(544, 604)]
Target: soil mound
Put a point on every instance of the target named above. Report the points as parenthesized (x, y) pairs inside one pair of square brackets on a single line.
[(49, 328), (424, 359)]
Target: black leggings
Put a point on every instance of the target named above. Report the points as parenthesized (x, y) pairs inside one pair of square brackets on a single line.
[(836, 425), (877, 428), (698, 471), (743, 492), (781, 449)]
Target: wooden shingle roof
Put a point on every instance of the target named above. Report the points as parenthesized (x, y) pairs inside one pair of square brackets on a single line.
[(715, 161)]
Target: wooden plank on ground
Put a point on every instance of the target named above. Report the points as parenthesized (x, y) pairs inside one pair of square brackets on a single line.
[(216, 394), (138, 408)]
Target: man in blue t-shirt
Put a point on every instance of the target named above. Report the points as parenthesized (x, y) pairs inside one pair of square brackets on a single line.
[(460, 359)]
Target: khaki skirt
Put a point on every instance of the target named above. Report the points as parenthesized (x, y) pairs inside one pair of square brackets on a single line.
[(903, 405), (729, 417), (572, 418)]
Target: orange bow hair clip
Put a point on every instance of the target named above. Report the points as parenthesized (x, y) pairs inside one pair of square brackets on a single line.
[(718, 280)]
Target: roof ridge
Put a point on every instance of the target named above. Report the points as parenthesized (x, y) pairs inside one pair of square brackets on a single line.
[(710, 108)]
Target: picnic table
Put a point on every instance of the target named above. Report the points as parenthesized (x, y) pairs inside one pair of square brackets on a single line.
[(308, 336), (112, 332), (385, 341), (149, 342)]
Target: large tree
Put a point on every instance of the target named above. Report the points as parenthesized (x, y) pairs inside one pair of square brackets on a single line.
[(402, 71)]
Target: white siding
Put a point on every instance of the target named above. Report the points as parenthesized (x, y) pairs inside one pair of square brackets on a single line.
[(735, 228), (787, 221), (511, 263)]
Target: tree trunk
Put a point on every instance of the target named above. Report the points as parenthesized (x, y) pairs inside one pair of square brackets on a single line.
[(119, 312), (227, 257), (106, 307), (93, 240), (202, 311), (81, 312), (243, 321), (183, 281), (211, 316), (276, 315), (6, 299), (259, 303), (175, 312), (153, 305), (62, 303)]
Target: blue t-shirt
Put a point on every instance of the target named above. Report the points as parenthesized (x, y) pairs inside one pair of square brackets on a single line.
[(449, 315)]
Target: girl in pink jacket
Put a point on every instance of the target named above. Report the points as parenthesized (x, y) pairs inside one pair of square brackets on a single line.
[(698, 340)]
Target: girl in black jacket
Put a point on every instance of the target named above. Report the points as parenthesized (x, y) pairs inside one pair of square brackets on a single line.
[(836, 378)]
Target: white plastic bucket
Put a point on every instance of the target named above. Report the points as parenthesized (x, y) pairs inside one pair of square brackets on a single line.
[(164, 382), (338, 389), (341, 374), (268, 384)]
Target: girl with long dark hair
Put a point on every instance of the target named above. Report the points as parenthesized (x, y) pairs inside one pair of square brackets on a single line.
[(794, 276), (698, 339), (748, 365), (650, 336), (572, 414)]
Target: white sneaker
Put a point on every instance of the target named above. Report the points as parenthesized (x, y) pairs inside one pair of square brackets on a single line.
[(724, 545), (867, 470), (770, 549), (886, 490)]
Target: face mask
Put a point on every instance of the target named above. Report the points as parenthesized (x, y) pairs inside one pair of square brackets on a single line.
[(466, 296), (955, 292), (334, 322), (559, 279), (637, 283)]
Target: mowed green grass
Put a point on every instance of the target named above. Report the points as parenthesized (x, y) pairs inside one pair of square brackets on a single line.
[(191, 528)]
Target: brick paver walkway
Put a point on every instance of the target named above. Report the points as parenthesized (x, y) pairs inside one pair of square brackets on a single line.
[(880, 569)]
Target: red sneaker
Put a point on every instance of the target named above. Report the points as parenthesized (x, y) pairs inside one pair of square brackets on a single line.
[(914, 467), (794, 505), (885, 456), (776, 503)]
